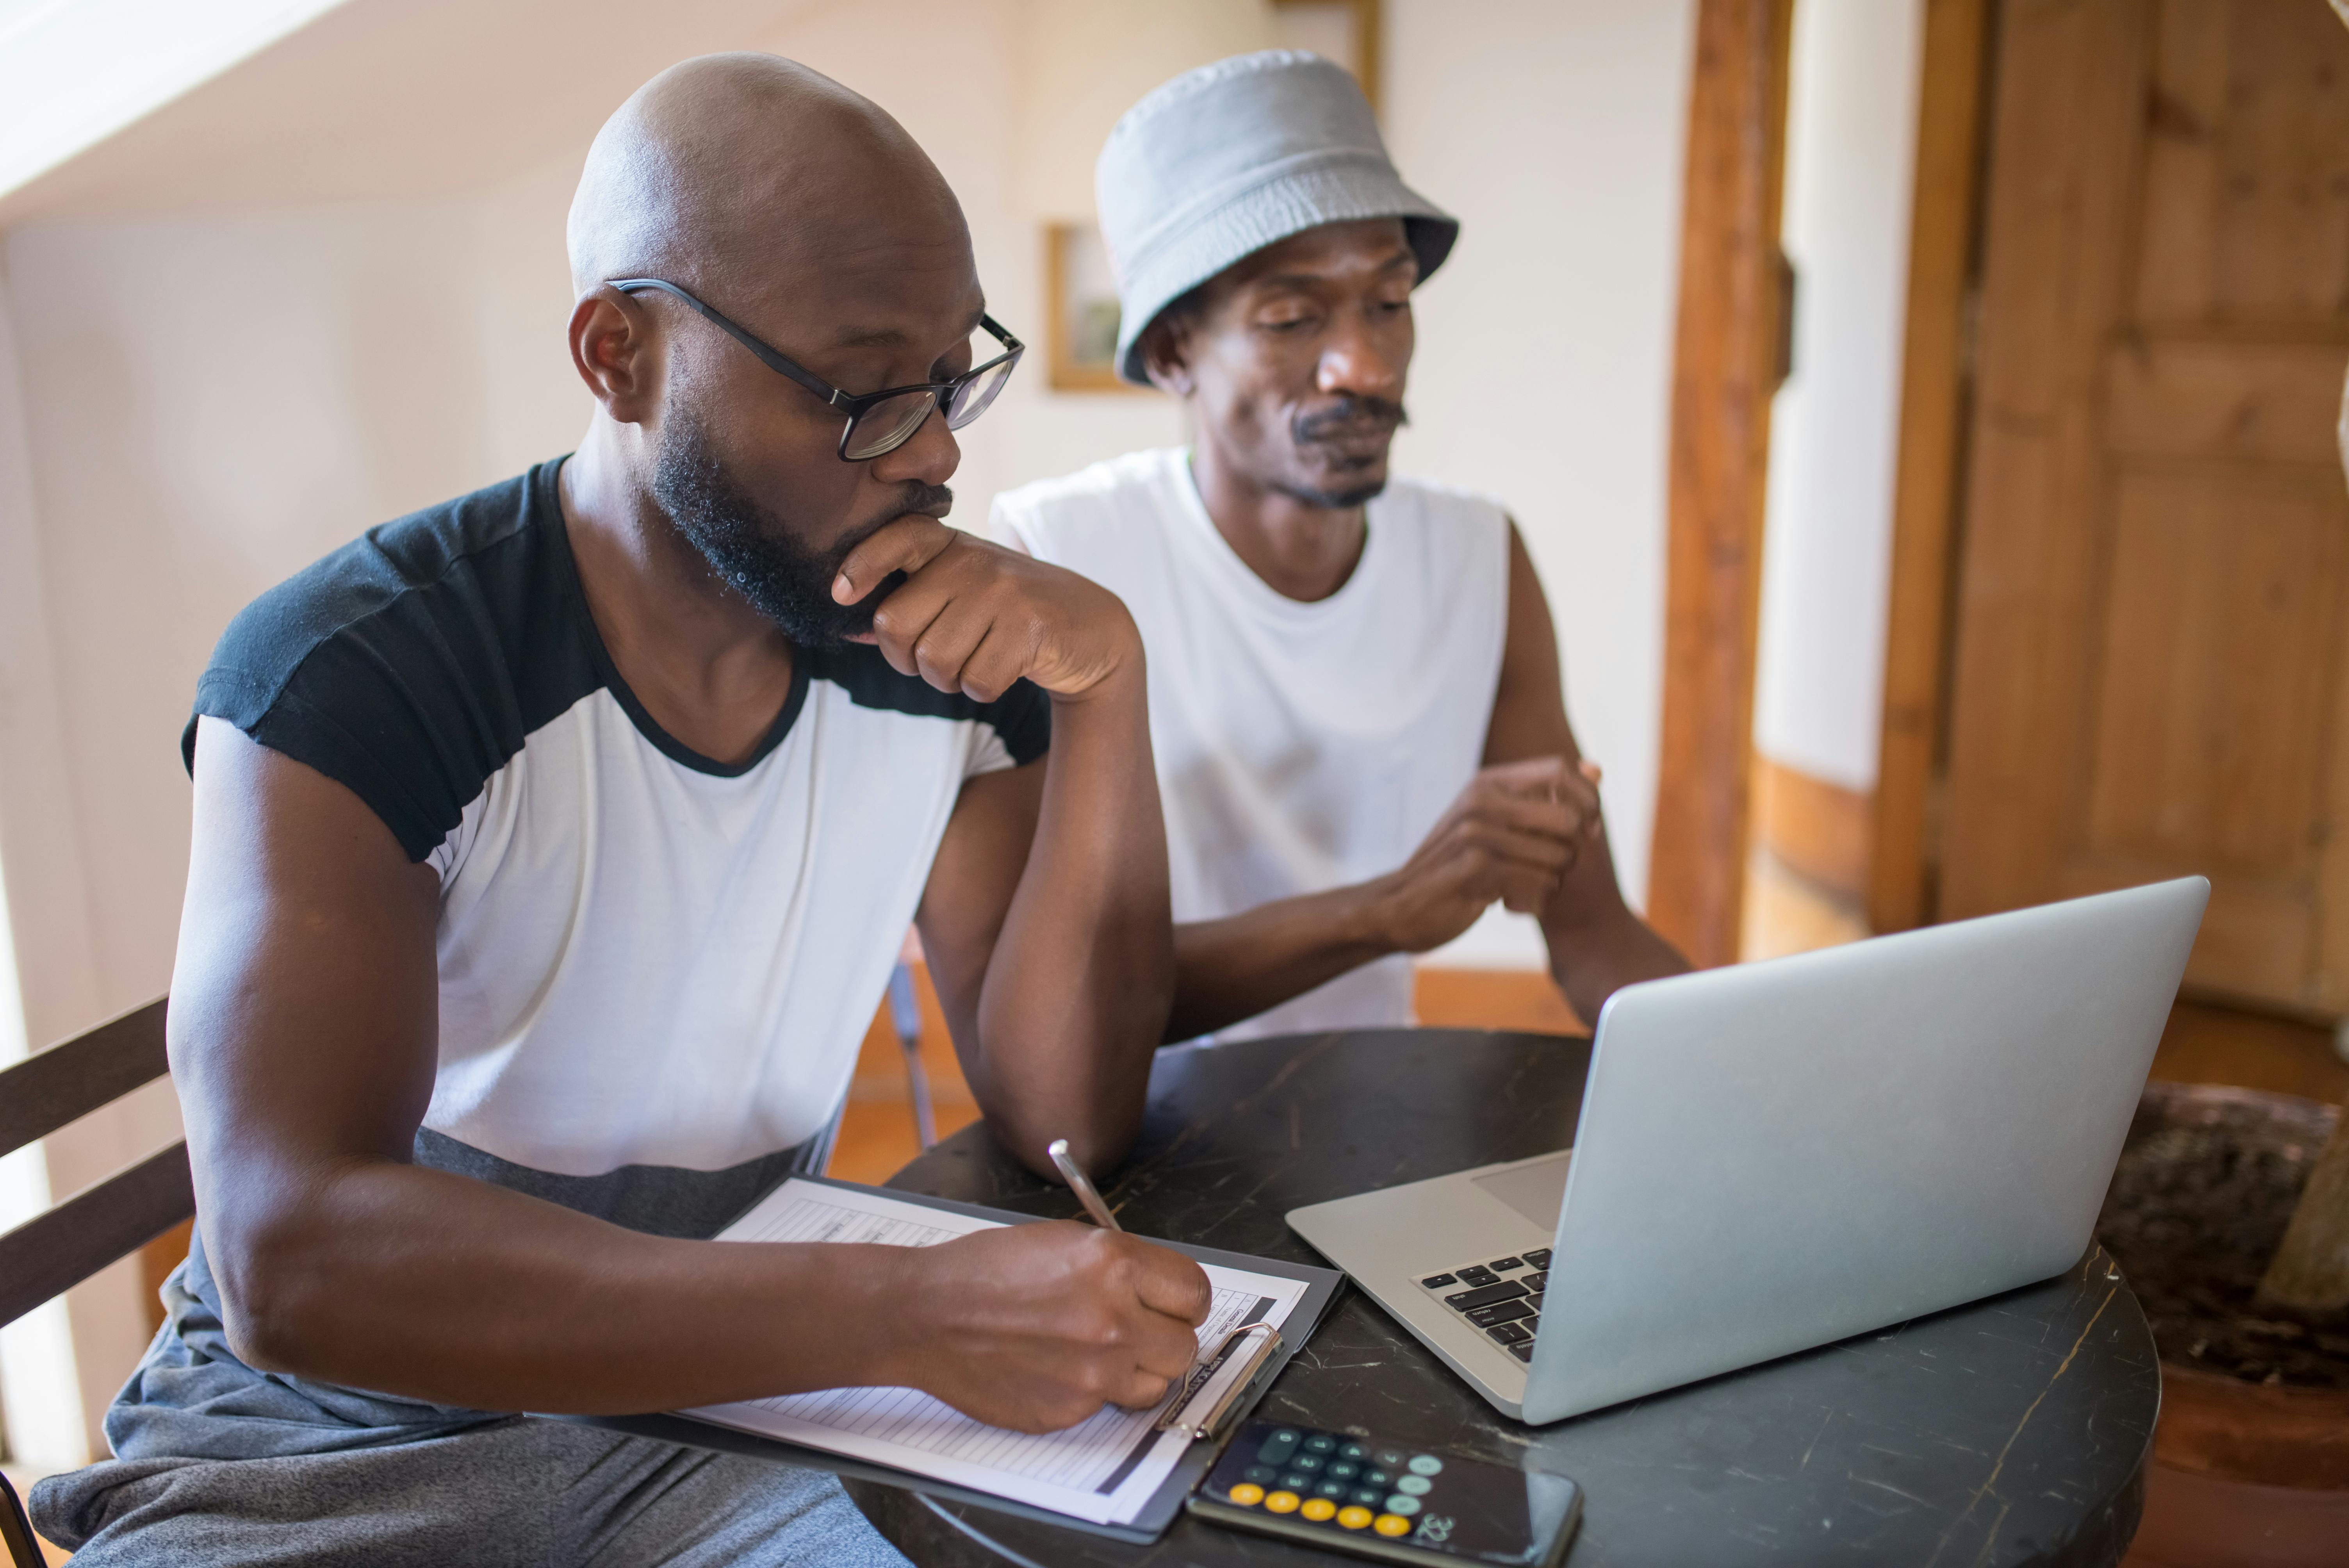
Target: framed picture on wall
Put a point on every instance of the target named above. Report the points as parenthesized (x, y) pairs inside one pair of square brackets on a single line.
[(1080, 325)]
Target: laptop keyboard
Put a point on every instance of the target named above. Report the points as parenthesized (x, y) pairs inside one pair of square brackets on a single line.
[(1502, 1296)]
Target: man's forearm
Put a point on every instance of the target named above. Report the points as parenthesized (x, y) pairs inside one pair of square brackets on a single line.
[(435, 1287), (1597, 945), (1076, 989), (1234, 968)]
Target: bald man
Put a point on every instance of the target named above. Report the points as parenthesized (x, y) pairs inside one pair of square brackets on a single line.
[(551, 848)]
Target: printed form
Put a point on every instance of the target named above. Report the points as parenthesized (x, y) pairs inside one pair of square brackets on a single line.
[(1102, 1470)]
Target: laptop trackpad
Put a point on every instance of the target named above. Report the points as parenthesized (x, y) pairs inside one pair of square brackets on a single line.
[(1536, 1190)]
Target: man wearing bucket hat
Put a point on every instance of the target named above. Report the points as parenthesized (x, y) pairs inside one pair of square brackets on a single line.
[(1355, 707)]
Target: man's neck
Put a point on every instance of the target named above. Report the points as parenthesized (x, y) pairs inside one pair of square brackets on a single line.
[(1301, 551), (712, 670)]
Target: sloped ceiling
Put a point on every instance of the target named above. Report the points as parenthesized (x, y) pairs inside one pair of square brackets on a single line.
[(380, 99)]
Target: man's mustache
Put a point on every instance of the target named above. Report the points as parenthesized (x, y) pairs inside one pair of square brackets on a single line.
[(1348, 416), (914, 495)]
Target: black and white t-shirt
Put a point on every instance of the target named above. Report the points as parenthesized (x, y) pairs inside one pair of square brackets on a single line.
[(655, 969)]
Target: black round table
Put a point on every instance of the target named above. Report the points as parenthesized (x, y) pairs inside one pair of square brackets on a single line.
[(2012, 1430)]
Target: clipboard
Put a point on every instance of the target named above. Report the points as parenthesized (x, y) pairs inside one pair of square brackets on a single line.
[(1269, 1350)]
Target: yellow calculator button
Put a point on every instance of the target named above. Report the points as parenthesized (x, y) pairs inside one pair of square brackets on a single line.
[(1248, 1494), (1392, 1524), (1354, 1516), (1281, 1502), (1317, 1508)]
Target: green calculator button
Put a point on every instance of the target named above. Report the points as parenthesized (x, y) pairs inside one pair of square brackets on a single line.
[(1414, 1485), (1406, 1506), (1426, 1464)]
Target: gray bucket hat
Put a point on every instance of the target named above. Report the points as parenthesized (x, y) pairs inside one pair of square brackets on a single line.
[(1233, 157)]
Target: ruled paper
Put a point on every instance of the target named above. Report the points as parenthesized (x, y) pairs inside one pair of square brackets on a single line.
[(1102, 1470)]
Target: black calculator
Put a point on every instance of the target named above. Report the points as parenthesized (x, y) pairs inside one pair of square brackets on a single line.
[(1393, 1501)]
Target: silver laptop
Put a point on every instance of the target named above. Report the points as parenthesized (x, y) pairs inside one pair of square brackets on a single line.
[(1777, 1155)]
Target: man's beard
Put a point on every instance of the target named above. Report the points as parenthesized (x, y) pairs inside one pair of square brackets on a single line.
[(1347, 415), (754, 552)]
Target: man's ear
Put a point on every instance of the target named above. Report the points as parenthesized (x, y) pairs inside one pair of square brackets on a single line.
[(1166, 354), (613, 349)]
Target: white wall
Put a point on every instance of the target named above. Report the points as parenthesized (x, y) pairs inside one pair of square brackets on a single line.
[(1850, 155), (218, 395), (1554, 129)]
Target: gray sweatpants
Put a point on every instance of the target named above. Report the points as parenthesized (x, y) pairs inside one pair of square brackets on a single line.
[(513, 1493)]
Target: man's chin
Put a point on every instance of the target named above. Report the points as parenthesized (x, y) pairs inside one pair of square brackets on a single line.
[(1337, 492)]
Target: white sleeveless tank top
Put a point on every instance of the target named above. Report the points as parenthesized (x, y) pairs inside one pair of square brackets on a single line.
[(1300, 747)]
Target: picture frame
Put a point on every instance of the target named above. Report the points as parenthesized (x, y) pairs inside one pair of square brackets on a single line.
[(1080, 318)]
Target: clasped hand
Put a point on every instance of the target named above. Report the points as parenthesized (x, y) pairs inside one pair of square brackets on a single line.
[(1512, 836)]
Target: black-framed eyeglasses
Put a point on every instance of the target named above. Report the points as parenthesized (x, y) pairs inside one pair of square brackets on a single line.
[(878, 422)]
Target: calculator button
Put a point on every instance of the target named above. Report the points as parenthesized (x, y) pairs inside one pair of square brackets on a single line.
[(1523, 1352), (1500, 1312), (1370, 1494), (1317, 1508), (1470, 1300), (1331, 1489), (1423, 1464), (1295, 1483), (1415, 1486), (1403, 1503), (1508, 1334), (1374, 1478), (1390, 1458), (1281, 1502), (1276, 1449), (1306, 1462), (1353, 1451), (1502, 1266), (1344, 1470), (1354, 1518), (1248, 1494), (1263, 1475), (1391, 1525), (1437, 1282), (1320, 1443)]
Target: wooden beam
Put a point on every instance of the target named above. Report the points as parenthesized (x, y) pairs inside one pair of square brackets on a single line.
[(1944, 227), (1727, 363)]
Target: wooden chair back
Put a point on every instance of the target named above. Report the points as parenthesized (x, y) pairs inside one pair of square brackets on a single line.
[(58, 1249)]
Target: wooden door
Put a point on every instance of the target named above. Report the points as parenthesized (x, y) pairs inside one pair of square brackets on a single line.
[(2150, 637)]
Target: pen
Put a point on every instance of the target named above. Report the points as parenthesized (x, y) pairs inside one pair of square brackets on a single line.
[(1083, 1188)]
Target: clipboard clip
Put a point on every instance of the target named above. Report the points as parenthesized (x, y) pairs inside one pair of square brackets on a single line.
[(1179, 1414)]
